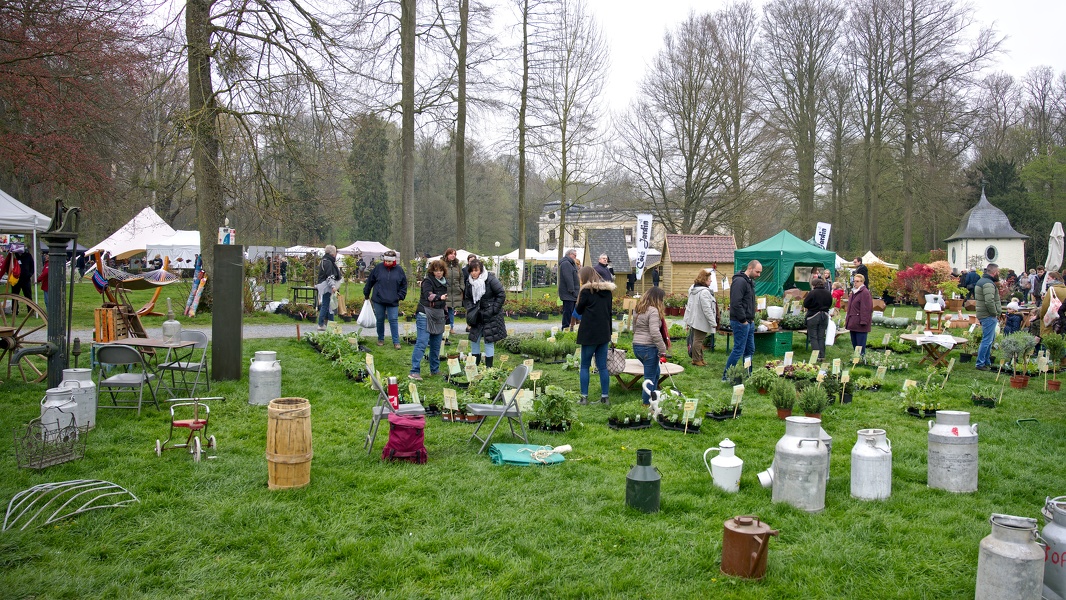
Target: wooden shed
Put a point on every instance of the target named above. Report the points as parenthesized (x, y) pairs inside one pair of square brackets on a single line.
[(685, 255), (613, 243)]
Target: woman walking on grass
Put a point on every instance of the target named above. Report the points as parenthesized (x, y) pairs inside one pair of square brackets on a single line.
[(483, 301), (649, 342), (430, 320), (594, 332), (701, 316), (859, 318), (818, 302)]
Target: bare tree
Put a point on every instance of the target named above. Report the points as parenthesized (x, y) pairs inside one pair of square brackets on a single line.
[(839, 117), (564, 100), (800, 40), (1039, 108), (998, 113)]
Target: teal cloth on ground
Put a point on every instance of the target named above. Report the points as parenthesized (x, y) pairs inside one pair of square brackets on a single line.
[(521, 455)]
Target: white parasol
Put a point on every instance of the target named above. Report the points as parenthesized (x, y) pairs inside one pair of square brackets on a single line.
[(1054, 252)]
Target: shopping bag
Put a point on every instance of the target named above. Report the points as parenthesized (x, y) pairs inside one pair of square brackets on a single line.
[(334, 303), (616, 361), (366, 316), (342, 308), (1053, 305)]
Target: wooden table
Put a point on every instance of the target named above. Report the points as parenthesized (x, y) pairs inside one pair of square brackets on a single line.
[(305, 294), (934, 352), (635, 371), (148, 346)]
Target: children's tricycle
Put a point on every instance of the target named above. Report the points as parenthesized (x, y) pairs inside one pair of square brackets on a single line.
[(199, 414)]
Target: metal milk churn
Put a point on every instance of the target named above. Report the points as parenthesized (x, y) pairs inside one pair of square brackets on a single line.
[(1010, 564), (744, 547), (264, 378), (57, 409), (953, 452), (642, 484), (871, 465), (726, 467), (1054, 535), (800, 465), (828, 441), (80, 383)]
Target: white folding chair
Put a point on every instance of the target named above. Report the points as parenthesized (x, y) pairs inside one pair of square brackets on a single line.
[(191, 364), (132, 378), (502, 407), (382, 409)]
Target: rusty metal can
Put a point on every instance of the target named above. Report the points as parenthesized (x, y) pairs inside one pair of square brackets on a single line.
[(745, 541)]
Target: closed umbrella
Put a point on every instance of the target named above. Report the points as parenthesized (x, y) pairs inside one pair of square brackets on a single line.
[(1054, 252)]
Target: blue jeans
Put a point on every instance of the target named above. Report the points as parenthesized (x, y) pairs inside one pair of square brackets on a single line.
[(450, 312), (425, 338), (324, 313), (649, 357), (988, 335), (600, 353), (743, 343), (568, 312), (858, 339), (393, 314), (490, 348)]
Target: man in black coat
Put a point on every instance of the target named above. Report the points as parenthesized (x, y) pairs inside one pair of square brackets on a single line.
[(860, 269), (742, 314), (568, 285)]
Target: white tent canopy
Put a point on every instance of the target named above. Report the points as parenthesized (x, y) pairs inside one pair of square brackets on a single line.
[(133, 237), (531, 254), (870, 259), (181, 248), (368, 249), (301, 250), (16, 217)]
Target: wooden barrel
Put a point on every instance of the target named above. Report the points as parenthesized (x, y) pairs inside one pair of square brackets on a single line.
[(288, 450)]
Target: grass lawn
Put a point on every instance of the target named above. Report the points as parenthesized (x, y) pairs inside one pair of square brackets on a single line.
[(460, 527)]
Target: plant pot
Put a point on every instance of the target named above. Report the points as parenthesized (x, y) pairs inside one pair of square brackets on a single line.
[(813, 415), (725, 415), (679, 426), (1053, 385), (763, 391), (985, 402), (1019, 382), (615, 424), (914, 412), (846, 398), (965, 357), (783, 413)]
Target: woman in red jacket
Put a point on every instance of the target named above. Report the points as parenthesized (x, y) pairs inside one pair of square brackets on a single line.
[(859, 318)]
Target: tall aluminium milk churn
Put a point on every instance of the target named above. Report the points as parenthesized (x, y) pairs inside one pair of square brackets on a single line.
[(953, 452), (828, 441), (642, 484), (871, 465), (264, 378), (800, 465), (80, 383), (744, 547), (1054, 535), (1010, 564), (57, 410), (726, 467)]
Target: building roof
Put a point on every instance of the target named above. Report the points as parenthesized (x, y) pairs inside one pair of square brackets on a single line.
[(985, 222), (611, 241), (700, 248)]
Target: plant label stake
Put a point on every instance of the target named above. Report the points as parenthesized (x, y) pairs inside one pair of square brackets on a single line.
[(855, 360), (614, 337), (534, 376), (814, 358), (893, 311), (836, 366), (881, 374), (951, 365), (780, 370), (821, 376), (918, 316), (885, 340), (370, 363), (747, 362), (909, 383), (453, 366), (845, 377), (1000, 371), (888, 353), (451, 403), (738, 394), (1042, 364), (690, 412), (464, 346), (471, 372), (788, 359), (505, 357), (413, 390), (471, 361), (528, 362), (972, 327), (555, 330)]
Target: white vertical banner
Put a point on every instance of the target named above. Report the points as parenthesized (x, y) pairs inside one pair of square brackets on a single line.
[(643, 242), (821, 235), (713, 284)]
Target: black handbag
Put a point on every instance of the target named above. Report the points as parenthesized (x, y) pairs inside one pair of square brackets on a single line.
[(473, 315)]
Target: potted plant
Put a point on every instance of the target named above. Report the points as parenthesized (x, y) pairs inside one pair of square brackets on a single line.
[(628, 415), (783, 395), (867, 383), (984, 394), (970, 347), (1056, 347), (553, 409), (812, 401), (950, 289), (1016, 347), (761, 380), (672, 416), (921, 401), (722, 409), (736, 374)]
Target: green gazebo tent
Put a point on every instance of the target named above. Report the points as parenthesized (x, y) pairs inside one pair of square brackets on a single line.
[(780, 255)]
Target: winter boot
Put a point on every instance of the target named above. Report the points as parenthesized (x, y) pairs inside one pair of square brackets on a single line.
[(488, 361), (477, 359)]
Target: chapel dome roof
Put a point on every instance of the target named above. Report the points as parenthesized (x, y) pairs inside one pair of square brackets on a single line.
[(985, 222)]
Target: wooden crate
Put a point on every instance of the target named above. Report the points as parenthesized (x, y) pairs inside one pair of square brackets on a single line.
[(110, 325)]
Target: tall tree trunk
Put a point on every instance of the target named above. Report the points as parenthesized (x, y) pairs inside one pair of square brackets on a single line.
[(407, 129), (523, 106), (203, 121), (460, 128)]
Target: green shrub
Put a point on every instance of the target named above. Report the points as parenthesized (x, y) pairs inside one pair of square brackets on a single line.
[(783, 394), (812, 400)]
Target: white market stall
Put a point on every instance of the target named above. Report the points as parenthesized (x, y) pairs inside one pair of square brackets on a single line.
[(16, 217), (368, 249), (134, 237), (181, 248)]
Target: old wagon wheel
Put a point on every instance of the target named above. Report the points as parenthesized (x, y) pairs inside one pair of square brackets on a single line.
[(25, 319)]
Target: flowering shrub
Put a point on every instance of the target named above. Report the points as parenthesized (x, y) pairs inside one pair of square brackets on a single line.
[(912, 282)]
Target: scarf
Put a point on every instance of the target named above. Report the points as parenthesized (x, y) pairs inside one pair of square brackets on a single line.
[(477, 286), (442, 280)]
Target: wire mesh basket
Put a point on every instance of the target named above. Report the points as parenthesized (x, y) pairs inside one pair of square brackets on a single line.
[(39, 445)]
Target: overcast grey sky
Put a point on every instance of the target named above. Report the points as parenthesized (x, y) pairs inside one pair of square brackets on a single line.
[(634, 29)]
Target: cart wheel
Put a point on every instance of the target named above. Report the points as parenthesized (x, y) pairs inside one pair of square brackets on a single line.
[(158, 448), (196, 449), (212, 443)]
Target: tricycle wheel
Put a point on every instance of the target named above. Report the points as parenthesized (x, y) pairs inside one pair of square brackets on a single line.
[(158, 448), (212, 443), (196, 449)]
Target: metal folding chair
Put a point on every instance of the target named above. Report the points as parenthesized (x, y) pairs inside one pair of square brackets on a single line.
[(381, 411), (502, 408), (193, 364), (132, 378)]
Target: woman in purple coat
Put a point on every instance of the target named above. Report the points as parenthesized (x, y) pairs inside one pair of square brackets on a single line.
[(859, 318)]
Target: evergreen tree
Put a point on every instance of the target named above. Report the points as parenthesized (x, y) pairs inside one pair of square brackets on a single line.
[(366, 171)]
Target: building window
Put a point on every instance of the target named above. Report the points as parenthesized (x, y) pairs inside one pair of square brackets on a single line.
[(551, 236), (991, 253), (577, 236), (954, 259)]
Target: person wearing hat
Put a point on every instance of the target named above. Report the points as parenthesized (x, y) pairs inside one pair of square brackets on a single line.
[(386, 287), (1013, 321)]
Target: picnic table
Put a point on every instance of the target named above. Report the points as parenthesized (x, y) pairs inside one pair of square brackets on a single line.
[(934, 352), (634, 371)]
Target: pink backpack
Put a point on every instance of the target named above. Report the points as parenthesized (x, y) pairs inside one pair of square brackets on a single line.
[(407, 439)]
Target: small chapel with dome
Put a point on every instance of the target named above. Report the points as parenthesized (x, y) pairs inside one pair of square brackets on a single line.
[(985, 235)]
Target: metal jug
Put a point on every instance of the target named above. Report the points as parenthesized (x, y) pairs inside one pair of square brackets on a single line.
[(1054, 535), (57, 409), (80, 383), (725, 468), (745, 542), (871, 465), (800, 465), (952, 463), (264, 378), (642, 484), (1010, 564)]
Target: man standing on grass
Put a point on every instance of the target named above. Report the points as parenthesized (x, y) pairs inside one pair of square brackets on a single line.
[(568, 285), (986, 294), (742, 314)]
